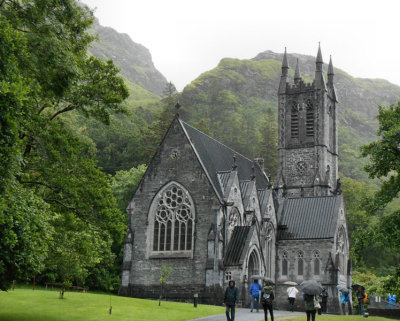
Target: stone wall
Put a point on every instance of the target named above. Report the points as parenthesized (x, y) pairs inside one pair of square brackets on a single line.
[(174, 161), (292, 247)]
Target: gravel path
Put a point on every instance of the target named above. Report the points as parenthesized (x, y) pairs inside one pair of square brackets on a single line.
[(244, 314)]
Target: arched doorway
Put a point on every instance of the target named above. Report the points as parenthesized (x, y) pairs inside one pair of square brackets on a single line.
[(254, 264)]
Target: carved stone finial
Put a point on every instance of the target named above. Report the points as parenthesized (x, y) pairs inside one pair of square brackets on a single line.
[(338, 186), (234, 166), (177, 106), (253, 176)]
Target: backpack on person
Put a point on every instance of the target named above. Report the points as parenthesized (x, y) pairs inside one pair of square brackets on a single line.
[(266, 298)]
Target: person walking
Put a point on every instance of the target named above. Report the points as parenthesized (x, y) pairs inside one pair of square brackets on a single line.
[(267, 296), (344, 297), (309, 302), (255, 289), (292, 292), (230, 299), (324, 301), (360, 297)]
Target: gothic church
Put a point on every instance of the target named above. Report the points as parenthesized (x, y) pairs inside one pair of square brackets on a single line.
[(213, 215)]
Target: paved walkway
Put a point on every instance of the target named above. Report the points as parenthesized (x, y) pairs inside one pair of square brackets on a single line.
[(244, 314)]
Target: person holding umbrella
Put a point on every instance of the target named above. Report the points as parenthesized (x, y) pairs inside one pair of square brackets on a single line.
[(255, 289), (267, 296), (311, 288), (324, 301), (360, 297), (292, 292)]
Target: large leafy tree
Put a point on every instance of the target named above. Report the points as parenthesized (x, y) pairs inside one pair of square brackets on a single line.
[(384, 163), (45, 74)]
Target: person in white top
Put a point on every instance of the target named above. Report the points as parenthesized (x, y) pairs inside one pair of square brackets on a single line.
[(292, 292)]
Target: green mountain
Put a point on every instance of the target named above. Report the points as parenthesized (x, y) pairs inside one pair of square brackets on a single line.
[(134, 59), (236, 103), (231, 102)]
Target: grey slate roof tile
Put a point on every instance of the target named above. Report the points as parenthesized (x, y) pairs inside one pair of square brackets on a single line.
[(223, 178), (262, 198), (308, 217), (217, 157), (236, 245)]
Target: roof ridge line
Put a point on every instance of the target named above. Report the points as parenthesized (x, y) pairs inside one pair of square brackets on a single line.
[(223, 172), (181, 122)]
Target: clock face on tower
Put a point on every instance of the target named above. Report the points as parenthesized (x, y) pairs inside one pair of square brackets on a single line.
[(301, 168)]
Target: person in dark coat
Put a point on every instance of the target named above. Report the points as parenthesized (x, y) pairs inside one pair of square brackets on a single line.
[(230, 299), (267, 296), (360, 297), (309, 302), (324, 301)]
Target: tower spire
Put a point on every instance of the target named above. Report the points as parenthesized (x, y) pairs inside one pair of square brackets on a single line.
[(319, 76), (330, 70), (284, 76), (297, 76), (285, 64), (330, 79)]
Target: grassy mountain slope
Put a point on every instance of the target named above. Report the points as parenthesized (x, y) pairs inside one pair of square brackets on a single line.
[(234, 97), (133, 58)]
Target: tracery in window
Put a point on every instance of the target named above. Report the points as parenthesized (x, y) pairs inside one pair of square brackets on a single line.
[(174, 220), (234, 217), (285, 264), (316, 260), (300, 263)]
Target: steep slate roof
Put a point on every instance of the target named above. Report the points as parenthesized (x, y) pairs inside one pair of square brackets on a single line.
[(223, 178), (239, 241), (308, 218), (262, 193), (216, 157)]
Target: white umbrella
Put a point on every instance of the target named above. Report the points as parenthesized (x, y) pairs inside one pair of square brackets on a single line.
[(290, 283)]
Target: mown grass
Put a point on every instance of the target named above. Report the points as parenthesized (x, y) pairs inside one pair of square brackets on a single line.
[(42, 305)]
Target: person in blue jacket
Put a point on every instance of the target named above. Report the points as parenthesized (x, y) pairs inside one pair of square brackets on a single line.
[(255, 289), (344, 297)]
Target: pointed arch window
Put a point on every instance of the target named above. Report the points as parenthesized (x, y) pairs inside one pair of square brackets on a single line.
[(173, 220), (300, 263), (316, 261), (309, 119), (285, 264), (254, 264)]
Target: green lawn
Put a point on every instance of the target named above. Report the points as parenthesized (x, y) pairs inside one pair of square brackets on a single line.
[(42, 305)]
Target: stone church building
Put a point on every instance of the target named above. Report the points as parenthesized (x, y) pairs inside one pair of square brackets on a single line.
[(214, 216)]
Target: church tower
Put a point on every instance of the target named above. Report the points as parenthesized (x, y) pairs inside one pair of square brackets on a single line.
[(307, 133)]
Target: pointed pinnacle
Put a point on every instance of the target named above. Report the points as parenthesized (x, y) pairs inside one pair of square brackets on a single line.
[(284, 61), (330, 67), (297, 75), (319, 54)]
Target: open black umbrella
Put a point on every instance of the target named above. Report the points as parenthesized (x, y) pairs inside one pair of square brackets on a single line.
[(356, 286), (343, 289), (311, 287), (269, 281)]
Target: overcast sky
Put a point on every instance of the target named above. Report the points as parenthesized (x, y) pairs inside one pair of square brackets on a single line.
[(187, 38)]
